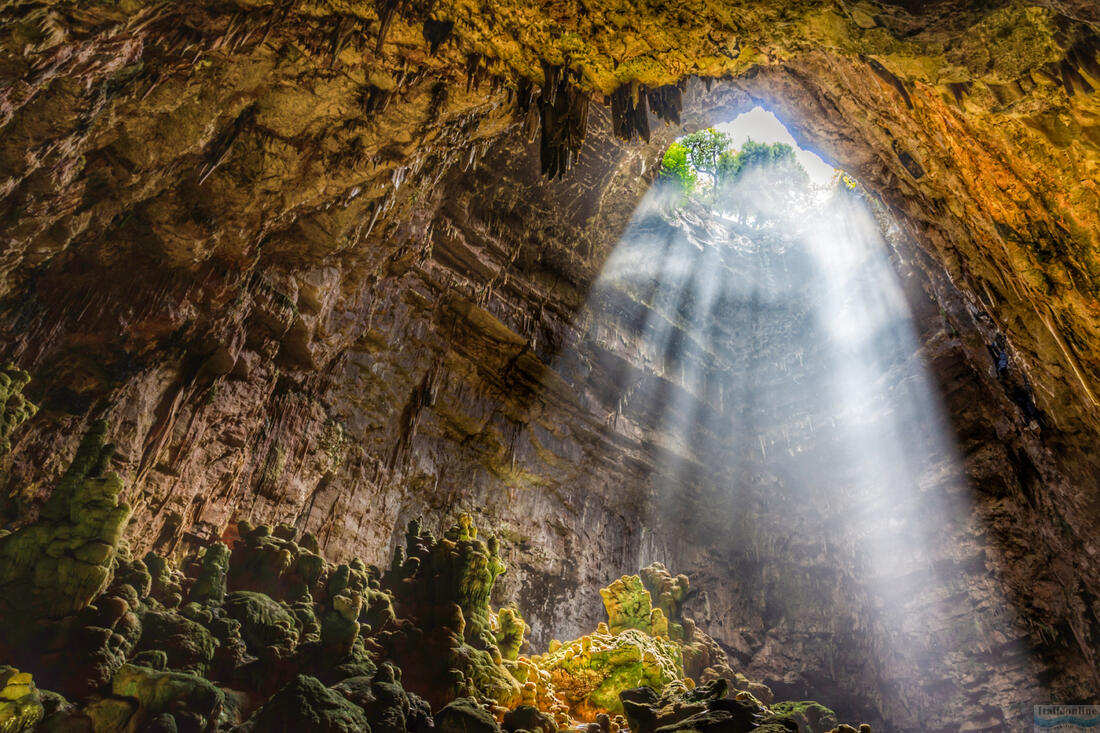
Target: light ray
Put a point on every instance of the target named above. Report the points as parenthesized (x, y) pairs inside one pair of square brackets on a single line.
[(761, 344)]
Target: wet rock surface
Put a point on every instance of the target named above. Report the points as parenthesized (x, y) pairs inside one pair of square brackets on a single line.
[(273, 673), (302, 258)]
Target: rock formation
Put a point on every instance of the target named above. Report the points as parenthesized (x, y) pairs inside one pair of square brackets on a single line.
[(306, 261), (335, 658)]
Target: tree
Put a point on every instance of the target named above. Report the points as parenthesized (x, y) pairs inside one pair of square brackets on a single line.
[(705, 149), (676, 169), (759, 181), (753, 156)]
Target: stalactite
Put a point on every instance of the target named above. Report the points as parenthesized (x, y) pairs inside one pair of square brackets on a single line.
[(387, 9), (474, 72), (219, 147), (666, 102), (959, 90), (629, 113), (563, 108), (887, 76), (436, 33), (375, 99)]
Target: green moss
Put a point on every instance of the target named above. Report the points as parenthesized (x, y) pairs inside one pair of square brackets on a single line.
[(307, 705), (668, 593), (628, 605), (267, 627), (334, 442), (810, 716), (210, 585), (445, 586), (508, 630), (186, 696), (57, 565), (165, 582), (186, 644), (340, 625), (20, 702), (464, 715), (274, 465), (15, 409), (591, 671)]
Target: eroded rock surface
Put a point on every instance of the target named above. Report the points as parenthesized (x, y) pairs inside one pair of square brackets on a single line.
[(303, 258)]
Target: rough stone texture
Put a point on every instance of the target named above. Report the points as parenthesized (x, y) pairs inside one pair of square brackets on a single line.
[(317, 279)]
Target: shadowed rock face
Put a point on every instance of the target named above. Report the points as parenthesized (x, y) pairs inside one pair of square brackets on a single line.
[(313, 277)]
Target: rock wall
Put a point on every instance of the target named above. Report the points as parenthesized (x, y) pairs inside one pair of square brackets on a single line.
[(308, 269)]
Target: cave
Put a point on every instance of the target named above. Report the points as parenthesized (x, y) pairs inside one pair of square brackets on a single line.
[(363, 367)]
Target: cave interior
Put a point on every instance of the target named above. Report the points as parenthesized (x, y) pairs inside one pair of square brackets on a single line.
[(614, 367)]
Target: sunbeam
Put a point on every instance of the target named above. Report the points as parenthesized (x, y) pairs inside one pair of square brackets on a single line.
[(763, 344)]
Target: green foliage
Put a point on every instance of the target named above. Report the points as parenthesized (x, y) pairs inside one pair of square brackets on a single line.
[(777, 179), (14, 407), (676, 169), (704, 150), (754, 156)]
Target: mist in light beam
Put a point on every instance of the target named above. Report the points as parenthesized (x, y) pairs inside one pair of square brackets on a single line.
[(761, 345)]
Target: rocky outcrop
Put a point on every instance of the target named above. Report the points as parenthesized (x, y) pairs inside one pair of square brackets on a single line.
[(240, 660), (304, 260)]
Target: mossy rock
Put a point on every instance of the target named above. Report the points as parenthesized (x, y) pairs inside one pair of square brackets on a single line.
[(809, 716), (210, 585), (388, 706), (187, 645), (628, 605), (21, 706), (722, 720), (464, 715), (190, 699), (60, 563), (15, 409), (166, 583), (485, 675), (109, 714), (305, 704), (508, 630), (163, 723), (592, 671), (528, 718), (267, 627)]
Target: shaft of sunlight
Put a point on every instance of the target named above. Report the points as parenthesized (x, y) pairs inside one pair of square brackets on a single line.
[(760, 344)]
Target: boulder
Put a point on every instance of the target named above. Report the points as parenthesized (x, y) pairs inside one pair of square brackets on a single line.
[(305, 704), (464, 715)]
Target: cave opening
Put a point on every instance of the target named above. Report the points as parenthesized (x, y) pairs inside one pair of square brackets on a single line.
[(755, 326)]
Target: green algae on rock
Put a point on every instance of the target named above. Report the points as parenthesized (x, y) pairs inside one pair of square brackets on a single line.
[(305, 704), (192, 701), (508, 630), (349, 647), (444, 587), (15, 409), (590, 672), (20, 702), (58, 564)]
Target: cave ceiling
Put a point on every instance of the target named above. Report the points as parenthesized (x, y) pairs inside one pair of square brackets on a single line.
[(221, 137)]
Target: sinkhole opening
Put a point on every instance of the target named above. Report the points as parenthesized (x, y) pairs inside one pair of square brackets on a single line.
[(755, 326)]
